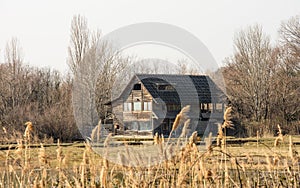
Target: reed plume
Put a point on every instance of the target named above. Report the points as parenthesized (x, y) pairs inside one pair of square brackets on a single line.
[(29, 129), (156, 139), (208, 143), (228, 118), (293, 154), (42, 156), (96, 133), (59, 155), (193, 138), (162, 139), (185, 130), (279, 137), (107, 140), (4, 130), (19, 151), (181, 116), (220, 135)]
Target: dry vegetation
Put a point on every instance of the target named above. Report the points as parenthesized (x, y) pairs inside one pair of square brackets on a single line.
[(255, 164)]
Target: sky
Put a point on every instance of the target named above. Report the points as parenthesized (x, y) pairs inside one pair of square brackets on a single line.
[(43, 27)]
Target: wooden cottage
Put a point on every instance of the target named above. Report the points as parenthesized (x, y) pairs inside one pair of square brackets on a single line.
[(150, 103)]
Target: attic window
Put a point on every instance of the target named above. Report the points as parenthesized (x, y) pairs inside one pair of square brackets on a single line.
[(137, 87), (165, 87)]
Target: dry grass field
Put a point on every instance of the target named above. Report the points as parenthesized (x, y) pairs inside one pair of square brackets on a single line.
[(250, 162), (221, 161)]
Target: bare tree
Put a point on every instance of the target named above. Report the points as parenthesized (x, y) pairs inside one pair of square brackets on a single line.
[(79, 42), (13, 56), (249, 73), (94, 65), (14, 60), (286, 87), (263, 81), (290, 35), (184, 68), (82, 66), (288, 71)]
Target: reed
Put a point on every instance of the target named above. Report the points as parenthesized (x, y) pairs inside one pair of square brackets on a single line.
[(279, 136), (187, 167)]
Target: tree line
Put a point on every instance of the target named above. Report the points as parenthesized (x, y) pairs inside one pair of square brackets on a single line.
[(34, 94), (262, 83), (263, 79)]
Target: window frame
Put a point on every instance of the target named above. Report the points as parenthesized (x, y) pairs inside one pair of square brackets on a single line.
[(147, 106), (127, 107), (134, 106)]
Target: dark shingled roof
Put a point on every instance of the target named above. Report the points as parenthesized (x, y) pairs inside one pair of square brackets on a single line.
[(187, 89)]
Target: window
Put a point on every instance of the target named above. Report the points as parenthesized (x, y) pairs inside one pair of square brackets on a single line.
[(137, 106), (127, 107), (165, 87), (145, 126), (169, 88), (147, 106), (134, 126), (139, 125), (219, 107), (165, 126), (173, 107), (137, 87), (209, 106)]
